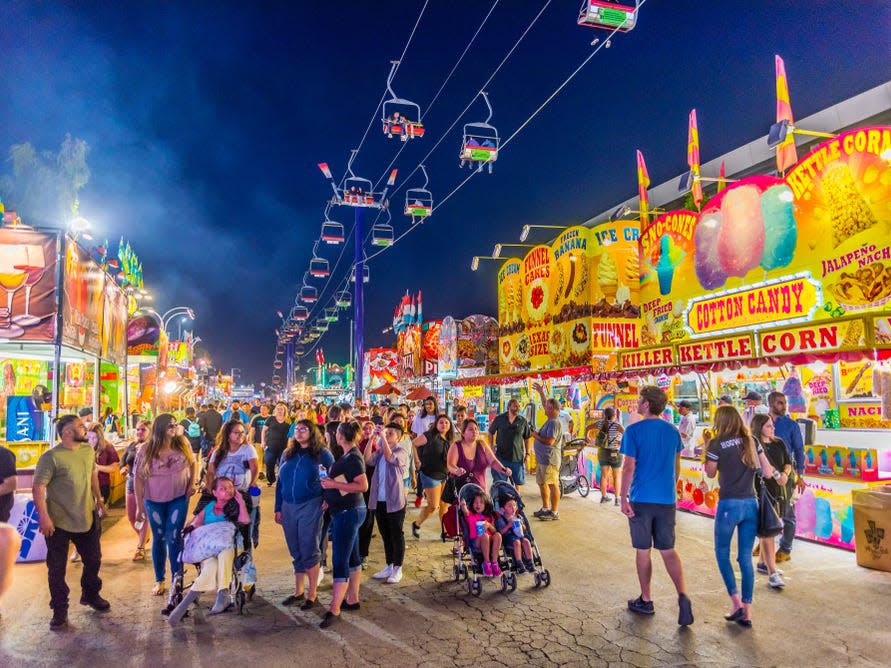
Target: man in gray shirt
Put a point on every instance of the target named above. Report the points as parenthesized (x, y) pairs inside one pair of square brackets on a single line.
[(548, 447)]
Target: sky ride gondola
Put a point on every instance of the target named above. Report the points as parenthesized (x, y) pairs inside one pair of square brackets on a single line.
[(299, 350), (344, 299), (398, 115), (366, 274), (608, 15), (480, 144), (382, 234), (276, 379), (318, 268), (300, 313), (308, 294), (331, 314), (277, 364), (332, 232), (419, 201)]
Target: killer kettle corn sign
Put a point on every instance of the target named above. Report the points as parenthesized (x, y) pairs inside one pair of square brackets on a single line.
[(768, 252)]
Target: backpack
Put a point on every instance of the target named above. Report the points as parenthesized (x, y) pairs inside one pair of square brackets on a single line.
[(602, 438), (194, 430)]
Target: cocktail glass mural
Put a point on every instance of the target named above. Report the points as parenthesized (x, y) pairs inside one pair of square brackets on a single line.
[(33, 269), (12, 257)]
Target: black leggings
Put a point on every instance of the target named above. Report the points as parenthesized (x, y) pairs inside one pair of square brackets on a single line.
[(366, 529), (390, 526)]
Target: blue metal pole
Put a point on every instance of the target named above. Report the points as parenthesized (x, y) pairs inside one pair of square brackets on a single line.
[(358, 302)]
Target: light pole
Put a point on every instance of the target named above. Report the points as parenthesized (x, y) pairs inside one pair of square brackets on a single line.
[(163, 322)]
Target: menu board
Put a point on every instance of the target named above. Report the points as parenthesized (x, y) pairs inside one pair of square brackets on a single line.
[(28, 261)]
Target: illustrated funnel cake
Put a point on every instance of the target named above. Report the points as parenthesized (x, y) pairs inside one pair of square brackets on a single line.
[(608, 277), (848, 211)]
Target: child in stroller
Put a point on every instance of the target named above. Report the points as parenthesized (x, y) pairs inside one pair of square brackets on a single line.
[(479, 519), (212, 537), (510, 508)]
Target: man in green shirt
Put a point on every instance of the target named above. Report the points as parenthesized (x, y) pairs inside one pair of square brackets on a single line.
[(69, 506)]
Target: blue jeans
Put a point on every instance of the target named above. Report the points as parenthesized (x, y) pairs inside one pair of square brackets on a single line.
[(166, 519), (740, 515), (517, 470), (789, 524), (345, 557)]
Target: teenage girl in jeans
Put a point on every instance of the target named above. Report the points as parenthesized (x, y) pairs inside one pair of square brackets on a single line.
[(734, 456)]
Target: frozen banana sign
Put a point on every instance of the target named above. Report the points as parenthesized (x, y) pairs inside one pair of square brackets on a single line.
[(768, 251)]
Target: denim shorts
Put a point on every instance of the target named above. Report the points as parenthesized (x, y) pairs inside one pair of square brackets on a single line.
[(517, 471), (428, 482)]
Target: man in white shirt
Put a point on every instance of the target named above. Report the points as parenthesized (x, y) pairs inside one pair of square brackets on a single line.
[(687, 425)]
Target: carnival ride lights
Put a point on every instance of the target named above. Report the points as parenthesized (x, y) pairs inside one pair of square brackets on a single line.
[(419, 201), (480, 144), (398, 114)]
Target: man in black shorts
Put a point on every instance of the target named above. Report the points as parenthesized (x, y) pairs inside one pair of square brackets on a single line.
[(652, 450)]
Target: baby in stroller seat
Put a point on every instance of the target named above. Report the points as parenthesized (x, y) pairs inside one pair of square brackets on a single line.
[(484, 537), (513, 528), (218, 518)]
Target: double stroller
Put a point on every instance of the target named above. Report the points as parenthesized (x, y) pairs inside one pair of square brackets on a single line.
[(468, 561)]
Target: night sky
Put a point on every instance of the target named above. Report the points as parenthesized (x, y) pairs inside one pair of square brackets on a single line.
[(206, 121)]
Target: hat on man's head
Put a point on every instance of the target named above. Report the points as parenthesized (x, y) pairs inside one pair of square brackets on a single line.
[(726, 399), (753, 396)]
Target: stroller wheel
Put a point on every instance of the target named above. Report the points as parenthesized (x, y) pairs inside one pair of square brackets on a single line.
[(464, 572), (512, 581), (546, 577), (239, 601), (584, 487), (536, 578), (476, 587), (456, 573), (505, 583)]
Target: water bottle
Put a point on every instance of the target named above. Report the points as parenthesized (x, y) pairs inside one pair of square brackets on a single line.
[(254, 491), (518, 527), (480, 527), (323, 472)]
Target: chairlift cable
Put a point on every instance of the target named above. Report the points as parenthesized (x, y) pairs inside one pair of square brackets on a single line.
[(559, 88)]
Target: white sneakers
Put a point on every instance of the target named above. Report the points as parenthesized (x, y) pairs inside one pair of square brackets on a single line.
[(392, 574), (775, 580), (384, 573)]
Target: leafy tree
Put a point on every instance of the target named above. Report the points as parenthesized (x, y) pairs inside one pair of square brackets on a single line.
[(43, 187)]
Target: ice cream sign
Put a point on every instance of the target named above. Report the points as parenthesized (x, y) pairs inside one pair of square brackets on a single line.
[(791, 300)]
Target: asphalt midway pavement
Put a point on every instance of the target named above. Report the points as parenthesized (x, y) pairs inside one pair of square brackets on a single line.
[(832, 612)]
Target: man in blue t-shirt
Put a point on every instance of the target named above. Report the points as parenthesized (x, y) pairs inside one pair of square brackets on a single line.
[(651, 450), (787, 429), (236, 412)]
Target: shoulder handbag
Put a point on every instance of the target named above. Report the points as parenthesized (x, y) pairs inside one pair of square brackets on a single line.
[(453, 485), (769, 522)]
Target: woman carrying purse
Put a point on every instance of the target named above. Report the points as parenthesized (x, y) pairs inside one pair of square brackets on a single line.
[(734, 456)]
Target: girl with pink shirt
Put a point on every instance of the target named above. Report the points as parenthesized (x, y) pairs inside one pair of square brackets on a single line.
[(486, 540)]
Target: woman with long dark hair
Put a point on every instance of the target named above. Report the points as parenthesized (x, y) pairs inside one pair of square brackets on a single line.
[(608, 439), (734, 456), (275, 439), (387, 496), (344, 486), (471, 454), (778, 454), (107, 460), (143, 429), (164, 480), (431, 452), (298, 506), (236, 459)]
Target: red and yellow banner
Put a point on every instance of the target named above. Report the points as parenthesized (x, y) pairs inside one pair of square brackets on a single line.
[(716, 350), (647, 358), (817, 338)]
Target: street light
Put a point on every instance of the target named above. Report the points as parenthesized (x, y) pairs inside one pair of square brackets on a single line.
[(524, 233), (475, 263), (497, 250)]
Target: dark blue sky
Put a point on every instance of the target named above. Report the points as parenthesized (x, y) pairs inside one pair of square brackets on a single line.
[(206, 121)]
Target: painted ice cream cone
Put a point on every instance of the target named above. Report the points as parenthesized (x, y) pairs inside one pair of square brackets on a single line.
[(608, 277)]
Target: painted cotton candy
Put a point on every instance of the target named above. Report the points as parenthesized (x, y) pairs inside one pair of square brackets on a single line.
[(780, 230), (741, 239), (706, 263)]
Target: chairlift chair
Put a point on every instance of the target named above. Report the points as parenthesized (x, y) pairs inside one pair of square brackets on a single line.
[(399, 116), (299, 350), (277, 364), (321, 326), (344, 299), (608, 15), (308, 294), (279, 350), (276, 379), (419, 201), (480, 144), (300, 313), (382, 234), (366, 274), (318, 267), (332, 233), (331, 314)]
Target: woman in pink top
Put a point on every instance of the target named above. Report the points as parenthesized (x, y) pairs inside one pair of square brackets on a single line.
[(472, 455), (164, 475)]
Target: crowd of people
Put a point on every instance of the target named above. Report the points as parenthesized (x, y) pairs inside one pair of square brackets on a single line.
[(339, 471)]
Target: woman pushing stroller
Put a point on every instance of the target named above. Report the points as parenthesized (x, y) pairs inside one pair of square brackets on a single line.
[(219, 517)]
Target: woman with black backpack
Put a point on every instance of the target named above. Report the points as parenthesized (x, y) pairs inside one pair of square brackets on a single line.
[(607, 438)]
